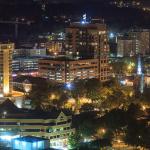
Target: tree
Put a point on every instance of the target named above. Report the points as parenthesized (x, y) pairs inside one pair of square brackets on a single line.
[(74, 140), (88, 128), (115, 119), (140, 132), (39, 95), (87, 107), (78, 91), (134, 111), (93, 89)]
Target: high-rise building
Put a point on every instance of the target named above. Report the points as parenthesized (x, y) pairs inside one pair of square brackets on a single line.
[(126, 46), (87, 40), (6, 68), (142, 38)]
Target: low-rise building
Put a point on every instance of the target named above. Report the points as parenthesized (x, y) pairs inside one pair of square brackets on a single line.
[(25, 65), (55, 125), (67, 70), (29, 52), (30, 143)]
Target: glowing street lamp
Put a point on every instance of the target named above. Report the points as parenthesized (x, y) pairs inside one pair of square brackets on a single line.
[(27, 86), (119, 141), (1, 95), (143, 108), (103, 131), (111, 35), (69, 86), (4, 114)]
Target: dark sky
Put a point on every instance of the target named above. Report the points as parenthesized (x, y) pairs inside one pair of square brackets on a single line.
[(50, 1)]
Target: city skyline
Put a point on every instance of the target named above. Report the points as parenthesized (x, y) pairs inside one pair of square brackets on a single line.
[(74, 75)]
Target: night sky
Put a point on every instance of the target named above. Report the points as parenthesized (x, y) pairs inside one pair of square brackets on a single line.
[(115, 18)]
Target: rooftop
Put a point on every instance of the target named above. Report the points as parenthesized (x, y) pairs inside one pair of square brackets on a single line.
[(12, 111), (66, 59)]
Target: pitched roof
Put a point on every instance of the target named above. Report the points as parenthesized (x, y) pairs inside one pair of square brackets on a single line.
[(13, 112), (9, 107)]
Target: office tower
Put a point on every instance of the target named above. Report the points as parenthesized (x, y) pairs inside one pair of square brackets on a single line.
[(6, 69)]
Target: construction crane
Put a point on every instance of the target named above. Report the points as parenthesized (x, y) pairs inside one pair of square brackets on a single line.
[(16, 23)]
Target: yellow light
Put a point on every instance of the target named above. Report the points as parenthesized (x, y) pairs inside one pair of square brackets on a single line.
[(129, 67), (53, 96), (119, 141), (6, 90), (143, 108), (103, 131), (1, 95), (27, 87)]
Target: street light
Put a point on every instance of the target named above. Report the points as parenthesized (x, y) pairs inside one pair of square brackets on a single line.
[(1, 95), (111, 35), (143, 108), (27, 86), (69, 86), (4, 114), (119, 141), (103, 131)]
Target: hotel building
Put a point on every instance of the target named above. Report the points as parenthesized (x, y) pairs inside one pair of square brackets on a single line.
[(6, 69)]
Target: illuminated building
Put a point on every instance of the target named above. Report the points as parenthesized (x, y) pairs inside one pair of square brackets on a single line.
[(125, 46), (55, 46), (87, 40), (25, 60), (6, 69), (25, 65), (140, 74), (54, 125), (30, 143), (29, 52), (87, 53), (66, 70), (142, 38)]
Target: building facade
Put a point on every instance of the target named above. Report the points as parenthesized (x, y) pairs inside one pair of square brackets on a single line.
[(25, 65), (29, 52), (6, 68), (55, 47), (67, 70), (87, 51), (126, 47), (142, 38), (53, 125), (89, 40)]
